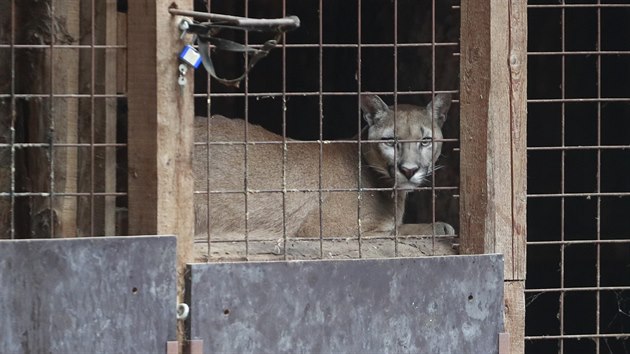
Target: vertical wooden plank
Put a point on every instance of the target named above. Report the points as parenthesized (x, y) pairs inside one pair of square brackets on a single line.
[(493, 145), (84, 180), (108, 8), (515, 289), (143, 119), (160, 129), (474, 92), (518, 114), (121, 53), (65, 113), (121, 88), (485, 130), (6, 117), (514, 293)]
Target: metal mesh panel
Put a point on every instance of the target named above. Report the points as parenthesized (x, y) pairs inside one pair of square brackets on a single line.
[(578, 278), (62, 89), (307, 92)]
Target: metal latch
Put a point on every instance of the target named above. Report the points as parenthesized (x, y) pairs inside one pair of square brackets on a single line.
[(206, 34)]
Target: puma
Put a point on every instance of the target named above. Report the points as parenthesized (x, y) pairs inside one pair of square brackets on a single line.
[(400, 157)]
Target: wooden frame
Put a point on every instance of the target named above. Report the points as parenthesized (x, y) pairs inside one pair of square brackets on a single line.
[(493, 111), (160, 130), (493, 143)]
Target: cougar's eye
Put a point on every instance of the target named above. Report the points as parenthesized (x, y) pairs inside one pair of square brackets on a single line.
[(389, 141), (425, 142)]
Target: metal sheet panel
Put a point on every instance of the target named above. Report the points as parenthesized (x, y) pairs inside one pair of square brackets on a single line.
[(88, 295), (422, 305)]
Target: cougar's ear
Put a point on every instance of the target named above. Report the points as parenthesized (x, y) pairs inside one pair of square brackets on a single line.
[(441, 103), (373, 108)]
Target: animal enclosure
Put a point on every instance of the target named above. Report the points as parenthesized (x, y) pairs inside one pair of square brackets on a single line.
[(99, 136), (578, 298), (308, 93), (62, 150)]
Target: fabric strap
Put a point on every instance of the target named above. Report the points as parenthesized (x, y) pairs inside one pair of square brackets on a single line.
[(206, 35)]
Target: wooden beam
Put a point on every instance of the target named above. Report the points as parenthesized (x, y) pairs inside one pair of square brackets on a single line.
[(514, 294), (65, 113), (493, 142), (121, 87), (518, 117), (121, 53), (109, 21), (6, 123), (160, 129)]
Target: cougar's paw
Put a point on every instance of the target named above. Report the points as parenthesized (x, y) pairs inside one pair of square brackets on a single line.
[(442, 228)]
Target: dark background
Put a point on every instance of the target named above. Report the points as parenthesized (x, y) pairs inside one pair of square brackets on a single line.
[(577, 217)]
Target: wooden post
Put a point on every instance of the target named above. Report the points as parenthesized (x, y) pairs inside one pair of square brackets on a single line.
[(107, 19), (6, 116), (493, 143), (160, 128), (121, 87)]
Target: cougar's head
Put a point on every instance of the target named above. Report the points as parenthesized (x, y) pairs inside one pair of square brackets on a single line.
[(409, 138)]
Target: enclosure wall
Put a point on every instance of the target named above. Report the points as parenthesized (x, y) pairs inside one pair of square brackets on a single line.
[(578, 279)]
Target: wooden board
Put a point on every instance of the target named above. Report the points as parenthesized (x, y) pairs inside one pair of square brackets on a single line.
[(6, 121), (297, 249), (518, 118), (448, 304), (493, 94), (88, 295), (160, 128), (514, 314)]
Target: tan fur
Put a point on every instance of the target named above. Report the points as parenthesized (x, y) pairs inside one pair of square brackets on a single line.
[(340, 170)]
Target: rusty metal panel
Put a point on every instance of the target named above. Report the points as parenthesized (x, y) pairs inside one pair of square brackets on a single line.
[(448, 304), (88, 295)]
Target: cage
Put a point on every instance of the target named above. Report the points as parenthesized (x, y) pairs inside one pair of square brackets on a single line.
[(98, 138), (295, 195), (577, 281), (63, 77)]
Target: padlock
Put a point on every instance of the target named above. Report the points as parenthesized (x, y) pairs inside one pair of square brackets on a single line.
[(190, 56)]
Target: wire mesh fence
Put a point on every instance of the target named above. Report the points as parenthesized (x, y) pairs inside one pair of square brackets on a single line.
[(578, 279), (61, 81), (293, 178)]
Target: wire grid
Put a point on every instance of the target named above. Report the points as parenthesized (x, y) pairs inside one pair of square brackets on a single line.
[(59, 97), (323, 40), (578, 279)]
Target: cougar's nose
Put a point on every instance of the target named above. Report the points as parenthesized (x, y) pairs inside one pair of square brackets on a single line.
[(408, 171)]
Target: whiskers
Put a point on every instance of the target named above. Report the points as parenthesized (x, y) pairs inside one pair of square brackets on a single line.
[(435, 168), (383, 173), (429, 174), (396, 180)]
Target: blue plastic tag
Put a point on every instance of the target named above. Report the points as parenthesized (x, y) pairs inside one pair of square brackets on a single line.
[(190, 56)]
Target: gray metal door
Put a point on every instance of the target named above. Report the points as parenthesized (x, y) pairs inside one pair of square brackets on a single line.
[(419, 305), (87, 295)]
